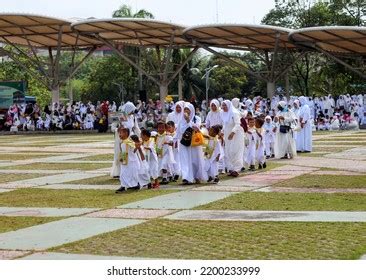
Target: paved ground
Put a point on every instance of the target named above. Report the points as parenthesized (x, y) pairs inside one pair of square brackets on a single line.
[(81, 223)]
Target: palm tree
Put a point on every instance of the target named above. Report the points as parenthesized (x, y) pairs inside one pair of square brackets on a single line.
[(125, 11)]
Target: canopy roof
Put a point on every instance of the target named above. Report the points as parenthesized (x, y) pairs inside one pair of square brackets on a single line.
[(256, 37), (134, 31), (40, 31), (334, 39)]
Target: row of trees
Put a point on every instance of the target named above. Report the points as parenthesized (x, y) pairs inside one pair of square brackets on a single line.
[(98, 78)]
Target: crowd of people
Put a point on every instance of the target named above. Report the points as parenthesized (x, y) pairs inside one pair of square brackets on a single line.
[(72, 116), (327, 113), (191, 141), (197, 143)]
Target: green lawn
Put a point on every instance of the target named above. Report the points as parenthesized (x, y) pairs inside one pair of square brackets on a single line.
[(311, 154), (325, 181), (6, 178), (74, 198), (59, 166), (103, 157), (14, 223), (107, 180), (102, 180), (228, 240), (330, 149), (336, 143), (289, 202), (23, 156)]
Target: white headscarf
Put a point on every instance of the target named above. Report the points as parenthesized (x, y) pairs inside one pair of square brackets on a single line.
[(303, 100), (191, 109), (128, 108), (227, 116), (236, 103), (217, 104)]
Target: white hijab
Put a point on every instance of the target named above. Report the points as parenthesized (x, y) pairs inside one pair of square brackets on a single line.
[(128, 108), (227, 116), (191, 109)]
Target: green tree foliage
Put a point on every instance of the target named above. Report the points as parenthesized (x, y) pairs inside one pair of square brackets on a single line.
[(125, 11), (314, 73), (228, 80), (10, 71)]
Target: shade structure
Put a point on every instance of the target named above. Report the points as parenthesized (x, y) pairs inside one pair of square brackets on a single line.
[(134, 31), (160, 36), (34, 32), (265, 41), (349, 40), (245, 36), (41, 32)]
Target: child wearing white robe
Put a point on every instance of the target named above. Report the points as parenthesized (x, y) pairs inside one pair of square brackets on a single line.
[(164, 150), (269, 136), (191, 158), (260, 143), (213, 153), (251, 144), (89, 122), (129, 162), (171, 131), (143, 171), (151, 157), (47, 122), (39, 124)]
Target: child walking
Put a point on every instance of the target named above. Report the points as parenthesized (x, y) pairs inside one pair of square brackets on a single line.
[(129, 162), (213, 153), (151, 157)]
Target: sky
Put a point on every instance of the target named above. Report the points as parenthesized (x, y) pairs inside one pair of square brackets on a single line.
[(185, 12)]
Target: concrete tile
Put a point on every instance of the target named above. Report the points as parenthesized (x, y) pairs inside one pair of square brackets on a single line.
[(10, 255), (314, 190), (225, 188), (61, 256), (130, 213), (5, 190), (180, 200), (275, 216), (56, 233), (44, 212), (77, 187)]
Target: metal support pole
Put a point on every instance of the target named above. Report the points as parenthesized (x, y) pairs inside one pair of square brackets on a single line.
[(231, 61), (345, 64), (123, 56)]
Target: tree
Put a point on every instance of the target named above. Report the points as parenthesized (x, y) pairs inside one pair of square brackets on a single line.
[(125, 11), (299, 14), (228, 80)]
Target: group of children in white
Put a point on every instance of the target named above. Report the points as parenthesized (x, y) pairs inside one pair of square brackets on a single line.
[(230, 142)]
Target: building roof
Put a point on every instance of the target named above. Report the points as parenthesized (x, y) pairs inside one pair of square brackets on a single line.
[(134, 31), (40, 31), (245, 36), (334, 39)]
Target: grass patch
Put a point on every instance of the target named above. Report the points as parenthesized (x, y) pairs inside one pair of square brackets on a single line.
[(107, 180), (331, 149), (228, 240), (103, 157), (25, 156), (311, 154), (14, 223), (101, 180), (289, 202), (74, 198), (59, 166), (6, 178), (325, 181), (335, 143)]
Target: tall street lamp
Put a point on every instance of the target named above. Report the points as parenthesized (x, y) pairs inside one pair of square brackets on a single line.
[(207, 75)]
